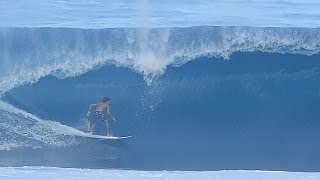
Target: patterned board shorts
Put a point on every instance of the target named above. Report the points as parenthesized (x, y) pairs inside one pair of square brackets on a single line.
[(101, 116)]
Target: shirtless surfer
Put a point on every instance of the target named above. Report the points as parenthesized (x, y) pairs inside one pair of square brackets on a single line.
[(102, 113)]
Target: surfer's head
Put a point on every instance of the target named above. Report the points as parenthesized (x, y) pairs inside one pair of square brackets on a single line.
[(106, 99)]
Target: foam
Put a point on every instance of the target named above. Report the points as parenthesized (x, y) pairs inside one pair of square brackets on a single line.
[(34, 131), (74, 173)]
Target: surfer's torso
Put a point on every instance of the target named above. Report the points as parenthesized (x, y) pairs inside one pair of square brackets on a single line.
[(102, 107)]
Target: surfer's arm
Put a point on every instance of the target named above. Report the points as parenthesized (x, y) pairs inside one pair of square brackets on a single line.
[(89, 111), (108, 111)]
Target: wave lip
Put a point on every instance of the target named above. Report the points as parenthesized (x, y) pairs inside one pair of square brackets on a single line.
[(27, 54)]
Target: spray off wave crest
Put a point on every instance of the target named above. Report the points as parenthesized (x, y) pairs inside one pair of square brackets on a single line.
[(27, 54)]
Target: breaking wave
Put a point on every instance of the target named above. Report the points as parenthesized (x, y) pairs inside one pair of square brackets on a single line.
[(27, 54), (217, 87)]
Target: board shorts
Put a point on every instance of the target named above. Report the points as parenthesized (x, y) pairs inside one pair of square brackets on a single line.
[(101, 116)]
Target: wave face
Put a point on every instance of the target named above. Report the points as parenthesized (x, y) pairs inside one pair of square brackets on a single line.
[(196, 98)]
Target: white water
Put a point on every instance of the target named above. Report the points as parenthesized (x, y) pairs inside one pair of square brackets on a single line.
[(48, 173), (22, 129)]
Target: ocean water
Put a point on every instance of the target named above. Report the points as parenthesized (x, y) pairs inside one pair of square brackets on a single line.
[(199, 85), (99, 14)]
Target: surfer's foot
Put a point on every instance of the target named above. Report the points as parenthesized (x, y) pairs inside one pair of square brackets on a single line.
[(109, 135), (89, 132)]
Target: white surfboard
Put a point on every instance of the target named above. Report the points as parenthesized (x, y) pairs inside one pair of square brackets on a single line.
[(107, 137)]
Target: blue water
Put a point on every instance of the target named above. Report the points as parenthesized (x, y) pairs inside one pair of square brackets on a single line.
[(161, 13), (195, 96)]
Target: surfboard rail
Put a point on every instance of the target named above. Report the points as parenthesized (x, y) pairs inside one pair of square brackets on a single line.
[(107, 137)]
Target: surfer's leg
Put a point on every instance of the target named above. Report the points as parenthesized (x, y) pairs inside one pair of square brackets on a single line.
[(98, 117), (92, 127)]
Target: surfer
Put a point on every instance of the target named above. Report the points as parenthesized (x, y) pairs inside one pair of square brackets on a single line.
[(102, 113)]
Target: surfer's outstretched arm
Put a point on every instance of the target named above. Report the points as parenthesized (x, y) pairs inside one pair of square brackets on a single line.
[(89, 111)]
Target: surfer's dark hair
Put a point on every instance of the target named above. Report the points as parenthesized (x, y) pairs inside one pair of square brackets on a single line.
[(106, 99)]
